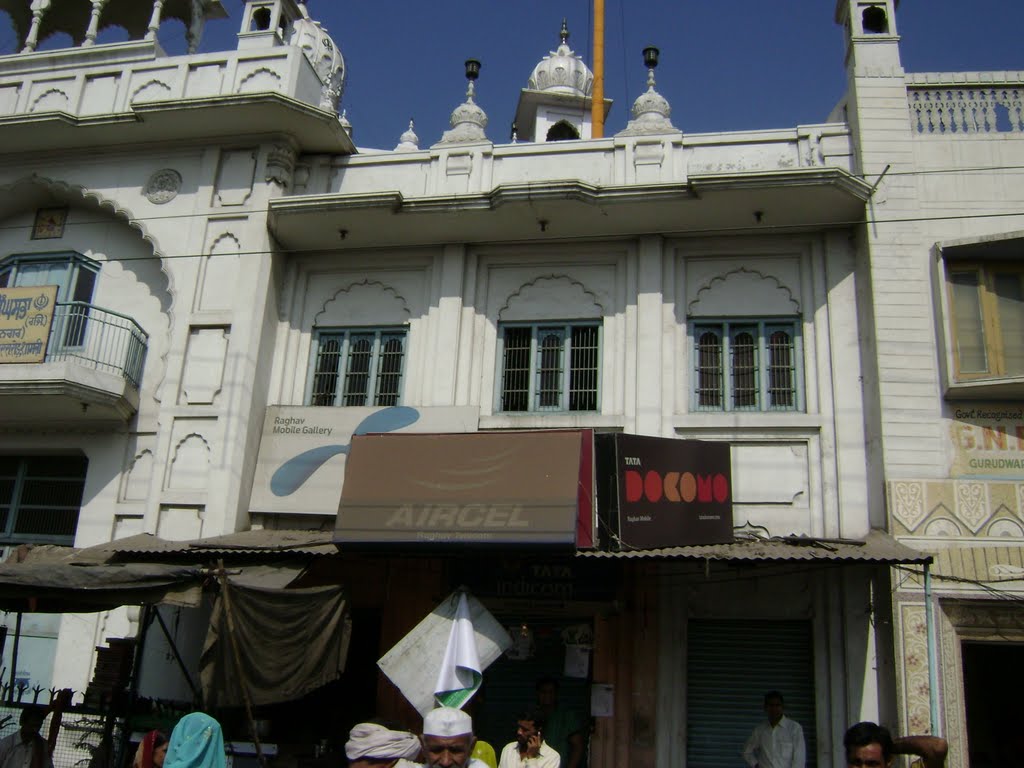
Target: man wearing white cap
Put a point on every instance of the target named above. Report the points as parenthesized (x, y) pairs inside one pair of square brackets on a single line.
[(371, 745), (448, 739)]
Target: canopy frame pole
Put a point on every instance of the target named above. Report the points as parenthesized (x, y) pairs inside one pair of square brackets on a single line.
[(14, 655), (243, 682), (177, 655)]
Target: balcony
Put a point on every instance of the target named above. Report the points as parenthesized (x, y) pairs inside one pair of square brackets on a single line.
[(90, 374)]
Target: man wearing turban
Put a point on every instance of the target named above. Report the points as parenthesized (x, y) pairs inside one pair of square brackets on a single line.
[(371, 745)]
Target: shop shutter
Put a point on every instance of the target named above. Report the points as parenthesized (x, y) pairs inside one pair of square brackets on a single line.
[(730, 666)]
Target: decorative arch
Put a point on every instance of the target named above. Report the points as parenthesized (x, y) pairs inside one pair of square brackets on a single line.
[(52, 100), (140, 471), (34, 190), (366, 302), (563, 130), (190, 463), (152, 90), (262, 79), (744, 292), (552, 296)]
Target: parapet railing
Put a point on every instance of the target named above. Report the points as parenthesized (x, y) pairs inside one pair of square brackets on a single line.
[(99, 338), (966, 103)]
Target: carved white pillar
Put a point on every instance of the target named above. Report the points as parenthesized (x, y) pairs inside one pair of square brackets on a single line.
[(94, 23), (154, 20), (39, 8)]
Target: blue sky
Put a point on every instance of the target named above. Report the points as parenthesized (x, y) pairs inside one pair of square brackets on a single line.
[(734, 65)]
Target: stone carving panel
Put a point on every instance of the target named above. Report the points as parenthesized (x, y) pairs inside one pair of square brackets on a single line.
[(913, 625), (205, 359), (138, 477), (908, 503), (219, 274), (163, 186), (53, 100), (235, 177), (260, 81), (180, 523), (972, 505), (191, 456)]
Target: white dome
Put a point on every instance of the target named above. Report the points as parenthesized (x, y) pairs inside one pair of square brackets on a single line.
[(323, 54), (562, 71)]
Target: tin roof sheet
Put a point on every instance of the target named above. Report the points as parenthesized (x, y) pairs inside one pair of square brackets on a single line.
[(877, 547)]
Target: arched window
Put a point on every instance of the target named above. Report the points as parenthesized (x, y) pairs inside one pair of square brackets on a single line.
[(562, 131), (874, 20), (373, 362), (763, 370)]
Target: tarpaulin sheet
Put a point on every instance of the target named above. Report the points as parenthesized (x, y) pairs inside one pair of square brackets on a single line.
[(58, 587), (289, 642)]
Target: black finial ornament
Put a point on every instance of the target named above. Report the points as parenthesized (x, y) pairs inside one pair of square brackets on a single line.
[(564, 33), (651, 57), (472, 69)]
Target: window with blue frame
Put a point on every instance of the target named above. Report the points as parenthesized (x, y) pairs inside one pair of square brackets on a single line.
[(40, 498), (361, 366), (549, 367), (75, 278), (746, 365)]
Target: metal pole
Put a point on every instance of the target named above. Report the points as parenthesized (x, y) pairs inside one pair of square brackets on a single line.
[(597, 92), (14, 653), (933, 661)]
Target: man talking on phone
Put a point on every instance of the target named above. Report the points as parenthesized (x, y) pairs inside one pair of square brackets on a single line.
[(529, 750)]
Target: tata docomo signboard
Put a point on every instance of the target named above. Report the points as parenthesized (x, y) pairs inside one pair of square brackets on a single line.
[(665, 492)]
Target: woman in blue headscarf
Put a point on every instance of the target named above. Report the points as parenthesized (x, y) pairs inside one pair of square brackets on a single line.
[(196, 742)]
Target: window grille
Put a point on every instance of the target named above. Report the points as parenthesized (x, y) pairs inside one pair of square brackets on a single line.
[(762, 370), (550, 367), (361, 367), (40, 497)]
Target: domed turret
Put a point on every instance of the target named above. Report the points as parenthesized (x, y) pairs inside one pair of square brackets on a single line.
[(555, 105), (562, 71), (323, 54), (408, 141)]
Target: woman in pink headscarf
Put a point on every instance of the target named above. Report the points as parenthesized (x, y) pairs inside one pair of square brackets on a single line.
[(151, 751)]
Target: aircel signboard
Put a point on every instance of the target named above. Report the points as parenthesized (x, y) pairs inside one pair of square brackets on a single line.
[(301, 463), (672, 492)]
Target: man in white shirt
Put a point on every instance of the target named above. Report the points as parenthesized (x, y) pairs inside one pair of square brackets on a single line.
[(778, 742), (529, 750), (25, 748)]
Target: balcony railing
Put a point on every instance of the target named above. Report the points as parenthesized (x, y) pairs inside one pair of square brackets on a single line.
[(98, 338), (966, 103)]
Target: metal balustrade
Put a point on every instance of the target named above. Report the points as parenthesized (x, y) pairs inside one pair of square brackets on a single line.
[(98, 338)]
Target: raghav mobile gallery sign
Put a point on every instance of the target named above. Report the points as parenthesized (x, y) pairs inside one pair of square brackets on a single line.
[(672, 492)]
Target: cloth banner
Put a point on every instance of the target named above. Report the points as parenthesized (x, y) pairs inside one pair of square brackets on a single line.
[(460, 675), (424, 663), (291, 641)]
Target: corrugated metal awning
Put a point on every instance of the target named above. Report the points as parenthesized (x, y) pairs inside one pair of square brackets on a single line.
[(265, 542), (877, 547)]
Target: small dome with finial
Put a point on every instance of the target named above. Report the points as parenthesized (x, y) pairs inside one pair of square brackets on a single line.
[(408, 141), (562, 71), (468, 120), (345, 123), (651, 110)]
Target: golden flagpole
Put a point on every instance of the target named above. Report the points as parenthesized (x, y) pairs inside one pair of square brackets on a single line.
[(597, 94)]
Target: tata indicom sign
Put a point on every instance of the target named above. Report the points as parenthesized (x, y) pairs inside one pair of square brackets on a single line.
[(671, 492)]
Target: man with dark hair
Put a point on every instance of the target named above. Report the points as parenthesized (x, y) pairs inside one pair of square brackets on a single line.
[(869, 745), (777, 741), (529, 749), (25, 748)]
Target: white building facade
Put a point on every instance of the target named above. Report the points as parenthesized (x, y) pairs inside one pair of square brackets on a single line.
[(241, 287), (944, 236)]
